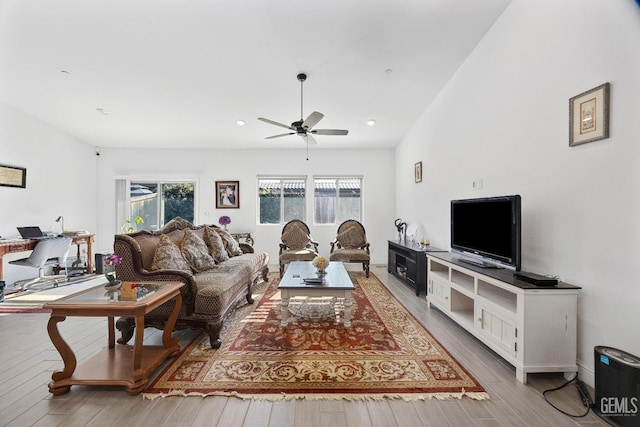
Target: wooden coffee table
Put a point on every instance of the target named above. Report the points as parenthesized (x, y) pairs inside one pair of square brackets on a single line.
[(122, 365), (336, 283)]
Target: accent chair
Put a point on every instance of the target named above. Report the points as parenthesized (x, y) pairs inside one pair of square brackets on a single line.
[(296, 244), (351, 245)]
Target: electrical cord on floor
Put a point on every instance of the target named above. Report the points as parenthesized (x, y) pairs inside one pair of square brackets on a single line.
[(584, 395)]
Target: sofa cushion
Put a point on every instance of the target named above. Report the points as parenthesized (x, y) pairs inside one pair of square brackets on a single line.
[(215, 244), (295, 237), (230, 244), (349, 255), (167, 255), (351, 238), (195, 251)]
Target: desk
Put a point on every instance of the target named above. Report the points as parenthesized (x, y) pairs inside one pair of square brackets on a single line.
[(22, 245)]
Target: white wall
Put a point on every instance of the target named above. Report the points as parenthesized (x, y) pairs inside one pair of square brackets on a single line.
[(503, 118), (208, 166), (61, 180)]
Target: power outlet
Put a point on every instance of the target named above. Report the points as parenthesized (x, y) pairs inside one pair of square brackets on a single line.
[(476, 184)]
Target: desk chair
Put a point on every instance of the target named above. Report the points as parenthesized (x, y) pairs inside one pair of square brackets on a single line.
[(55, 248)]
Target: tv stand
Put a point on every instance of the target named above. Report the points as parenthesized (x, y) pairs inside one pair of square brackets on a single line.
[(532, 328)]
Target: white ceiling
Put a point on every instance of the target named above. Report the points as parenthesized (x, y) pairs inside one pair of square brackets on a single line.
[(179, 73)]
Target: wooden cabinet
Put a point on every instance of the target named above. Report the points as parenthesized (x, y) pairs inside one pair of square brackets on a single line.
[(533, 328), (408, 261)]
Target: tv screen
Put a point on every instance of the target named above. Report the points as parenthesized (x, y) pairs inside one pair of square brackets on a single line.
[(487, 230)]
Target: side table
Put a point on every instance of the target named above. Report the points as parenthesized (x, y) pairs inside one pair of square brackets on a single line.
[(124, 365), (243, 238)]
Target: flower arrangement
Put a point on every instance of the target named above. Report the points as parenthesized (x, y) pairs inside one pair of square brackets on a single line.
[(224, 221), (320, 262), (112, 260)]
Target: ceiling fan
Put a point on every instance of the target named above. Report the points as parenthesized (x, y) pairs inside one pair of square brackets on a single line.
[(304, 127)]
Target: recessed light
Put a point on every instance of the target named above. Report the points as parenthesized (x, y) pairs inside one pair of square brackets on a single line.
[(65, 72), (388, 71), (371, 122), (240, 122)]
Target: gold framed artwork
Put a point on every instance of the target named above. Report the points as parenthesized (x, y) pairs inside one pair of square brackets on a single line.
[(589, 115), (417, 171), (227, 194), (13, 176)]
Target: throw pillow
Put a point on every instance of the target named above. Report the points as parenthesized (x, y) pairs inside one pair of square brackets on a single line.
[(176, 223), (351, 238), (295, 237), (168, 255), (215, 244), (194, 250), (230, 244)]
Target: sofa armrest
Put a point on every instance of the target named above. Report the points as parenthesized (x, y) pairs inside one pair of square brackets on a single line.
[(246, 248), (132, 270)]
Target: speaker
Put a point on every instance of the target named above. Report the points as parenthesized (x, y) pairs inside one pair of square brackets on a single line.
[(617, 386), (99, 261)]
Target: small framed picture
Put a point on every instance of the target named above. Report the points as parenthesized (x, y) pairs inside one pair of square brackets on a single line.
[(13, 176), (417, 170), (589, 116), (227, 194)]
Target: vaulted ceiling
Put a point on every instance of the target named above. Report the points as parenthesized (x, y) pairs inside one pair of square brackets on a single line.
[(180, 73)]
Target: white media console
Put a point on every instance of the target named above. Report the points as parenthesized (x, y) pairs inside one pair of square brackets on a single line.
[(531, 327)]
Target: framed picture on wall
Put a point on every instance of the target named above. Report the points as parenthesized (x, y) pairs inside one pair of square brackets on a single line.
[(417, 170), (13, 176), (589, 116), (227, 194)]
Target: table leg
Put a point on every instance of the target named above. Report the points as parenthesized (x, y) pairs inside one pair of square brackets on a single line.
[(348, 302), (139, 382), (66, 353), (284, 309), (167, 340), (111, 331)]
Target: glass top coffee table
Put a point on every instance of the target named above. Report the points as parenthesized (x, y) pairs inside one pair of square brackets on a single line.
[(335, 283)]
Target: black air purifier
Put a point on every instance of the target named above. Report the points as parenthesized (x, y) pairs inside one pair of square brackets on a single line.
[(99, 262), (617, 386)]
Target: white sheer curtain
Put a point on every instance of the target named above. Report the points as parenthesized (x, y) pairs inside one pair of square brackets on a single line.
[(123, 203)]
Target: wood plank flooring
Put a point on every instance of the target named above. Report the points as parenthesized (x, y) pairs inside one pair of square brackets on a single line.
[(28, 358)]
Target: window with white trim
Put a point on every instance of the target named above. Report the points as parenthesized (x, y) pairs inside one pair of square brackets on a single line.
[(281, 199), (155, 202), (337, 199)]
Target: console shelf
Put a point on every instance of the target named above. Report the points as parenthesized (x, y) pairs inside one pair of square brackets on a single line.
[(533, 328), (407, 261)]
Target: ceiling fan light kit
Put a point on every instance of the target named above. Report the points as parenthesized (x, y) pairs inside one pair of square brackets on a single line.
[(304, 127)]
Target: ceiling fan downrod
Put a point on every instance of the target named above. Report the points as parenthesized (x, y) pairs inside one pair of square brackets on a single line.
[(301, 78)]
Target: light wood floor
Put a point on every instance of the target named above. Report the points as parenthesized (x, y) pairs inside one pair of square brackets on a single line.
[(27, 359)]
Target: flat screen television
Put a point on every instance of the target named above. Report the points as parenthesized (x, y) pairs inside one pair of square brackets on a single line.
[(486, 231)]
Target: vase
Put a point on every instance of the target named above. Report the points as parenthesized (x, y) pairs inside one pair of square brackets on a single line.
[(321, 272), (113, 287)]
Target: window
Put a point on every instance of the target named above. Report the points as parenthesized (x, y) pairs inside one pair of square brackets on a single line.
[(337, 199), (281, 199), (156, 202)]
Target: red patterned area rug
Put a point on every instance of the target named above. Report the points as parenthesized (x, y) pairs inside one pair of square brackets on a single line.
[(386, 353)]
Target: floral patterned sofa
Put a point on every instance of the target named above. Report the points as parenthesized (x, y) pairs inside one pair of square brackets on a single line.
[(217, 271)]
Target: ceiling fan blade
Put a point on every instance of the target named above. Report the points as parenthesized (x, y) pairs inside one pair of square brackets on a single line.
[(329, 132), (308, 138), (275, 123), (312, 120), (281, 135)]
